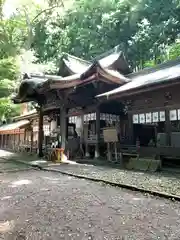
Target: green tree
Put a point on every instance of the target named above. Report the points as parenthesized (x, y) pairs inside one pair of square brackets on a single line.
[(144, 29), (174, 50), (8, 77)]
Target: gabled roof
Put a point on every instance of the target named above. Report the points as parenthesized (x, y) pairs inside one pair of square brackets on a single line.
[(162, 73), (76, 65), (70, 65), (113, 59), (74, 71)]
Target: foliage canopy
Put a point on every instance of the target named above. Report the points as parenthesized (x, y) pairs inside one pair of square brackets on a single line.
[(146, 30)]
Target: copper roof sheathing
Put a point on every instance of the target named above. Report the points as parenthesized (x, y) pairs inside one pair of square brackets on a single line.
[(76, 65), (109, 67), (147, 77)]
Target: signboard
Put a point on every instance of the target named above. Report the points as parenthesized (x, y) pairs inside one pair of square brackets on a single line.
[(110, 135)]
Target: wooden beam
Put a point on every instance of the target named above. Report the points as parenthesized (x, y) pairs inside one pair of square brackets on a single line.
[(63, 126), (97, 150), (40, 133), (167, 127)]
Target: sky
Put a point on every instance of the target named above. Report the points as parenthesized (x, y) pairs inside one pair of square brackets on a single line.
[(10, 5)]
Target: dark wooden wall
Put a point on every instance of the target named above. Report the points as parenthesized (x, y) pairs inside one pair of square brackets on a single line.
[(156, 100)]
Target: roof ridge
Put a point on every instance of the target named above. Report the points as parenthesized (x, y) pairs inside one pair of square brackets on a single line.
[(115, 49), (77, 58)]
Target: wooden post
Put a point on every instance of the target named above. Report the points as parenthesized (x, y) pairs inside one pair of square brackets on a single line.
[(31, 139), (85, 136), (87, 154), (5, 140), (115, 150), (2, 140), (130, 128), (109, 152), (14, 142), (97, 151), (63, 126), (167, 127), (19, 140), (40, 133)]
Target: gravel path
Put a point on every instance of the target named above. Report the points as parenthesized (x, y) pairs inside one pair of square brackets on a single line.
[(160, 181), (39, 205)]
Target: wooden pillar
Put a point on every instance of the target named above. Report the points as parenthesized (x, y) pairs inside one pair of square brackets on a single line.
[(63, 126), (167, 127), (67, 123), (14, 141), (19, 138), (2, 141), (97, 150), (40, 133), (24, 136), (31, 139), (85, 136), (130, 128), (5, 140)]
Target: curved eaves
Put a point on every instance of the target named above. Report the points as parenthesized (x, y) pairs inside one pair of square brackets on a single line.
[(74, 66), (108, 61), (28, 90), (113, 76), (70, 65), (114, 62)]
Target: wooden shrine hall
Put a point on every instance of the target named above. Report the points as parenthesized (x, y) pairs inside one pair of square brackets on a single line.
[(152, 102), (87, 97), (69, 100)]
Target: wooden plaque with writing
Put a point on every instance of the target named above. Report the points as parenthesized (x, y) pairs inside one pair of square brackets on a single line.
[(110, 134)]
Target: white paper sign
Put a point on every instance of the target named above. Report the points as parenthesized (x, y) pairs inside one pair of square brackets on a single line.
[(148, 118), (173, 115), (162, 116), (135, 118), (142, 118), (178, 113), (155, 117)]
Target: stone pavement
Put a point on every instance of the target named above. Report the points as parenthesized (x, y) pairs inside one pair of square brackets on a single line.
[(39, 205)]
